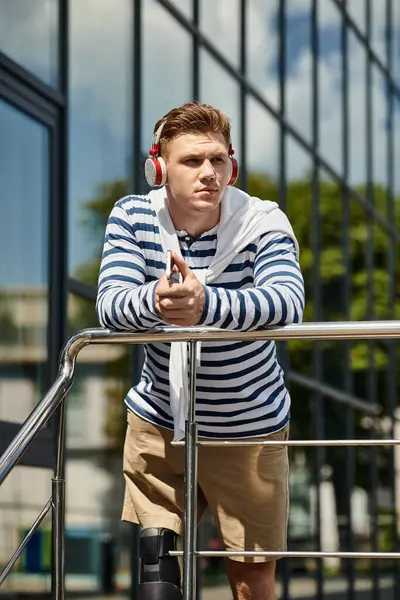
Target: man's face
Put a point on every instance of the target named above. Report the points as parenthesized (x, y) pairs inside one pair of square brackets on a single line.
[(198, 171)]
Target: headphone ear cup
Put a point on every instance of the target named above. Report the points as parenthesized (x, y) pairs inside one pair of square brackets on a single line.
[(155, 171), (234, 171)]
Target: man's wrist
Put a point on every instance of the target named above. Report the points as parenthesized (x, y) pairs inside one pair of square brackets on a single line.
[(204, 314)]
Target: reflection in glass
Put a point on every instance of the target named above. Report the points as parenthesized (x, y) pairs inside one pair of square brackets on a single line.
[(359, 297), (219, 89), (396, 43), (332, 272), (330, 78), (99, 125), (298, 65), (185, 6), (357, 11), (379, 136), (23, 495), (29, 35), (262, 143), (96, 423), (262, 48), (167, 51), (378, 29), (24, 196), (299, 212), (396, 160), (357, 111), (219, 21)]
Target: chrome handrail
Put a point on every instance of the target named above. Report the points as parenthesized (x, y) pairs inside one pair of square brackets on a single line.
[(349, 330)]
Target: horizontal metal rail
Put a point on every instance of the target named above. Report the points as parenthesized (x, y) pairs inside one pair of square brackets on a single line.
[(289, 554), (54, 397), (302, 443)]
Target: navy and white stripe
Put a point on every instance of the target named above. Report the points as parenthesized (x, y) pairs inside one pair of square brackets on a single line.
[(240, 385)]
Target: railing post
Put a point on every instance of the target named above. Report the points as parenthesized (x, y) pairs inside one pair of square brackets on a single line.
[(58, 539), (58, 513), (190, 518)]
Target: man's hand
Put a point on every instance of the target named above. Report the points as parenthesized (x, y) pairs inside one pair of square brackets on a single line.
[(180, 303)]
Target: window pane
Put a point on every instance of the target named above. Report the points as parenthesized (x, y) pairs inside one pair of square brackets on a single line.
[(396, 42), (24, 189), (330, 84), (23, 495), (379, 137), (356, 10), (169, 70), (378, 29), (185, 6), (299, 212), (396, 161), (357, 107), (332, 273), (29, 35), (219, 22), (96, 423), (219, 89), (99, 126), (298, 65), (359, 294), (262, 48), (262, 141)]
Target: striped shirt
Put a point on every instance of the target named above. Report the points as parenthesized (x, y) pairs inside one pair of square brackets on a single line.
[(240, 387)]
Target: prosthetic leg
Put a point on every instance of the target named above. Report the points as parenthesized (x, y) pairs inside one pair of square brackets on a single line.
[(160, 574)]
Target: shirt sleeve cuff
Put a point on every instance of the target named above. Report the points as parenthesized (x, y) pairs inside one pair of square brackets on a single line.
[(149, 301), (204, 316)]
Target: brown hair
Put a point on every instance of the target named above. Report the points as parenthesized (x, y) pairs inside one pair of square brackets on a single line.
[(193, 118)]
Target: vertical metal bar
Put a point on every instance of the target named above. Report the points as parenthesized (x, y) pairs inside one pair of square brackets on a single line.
[(348, 380), (243, 94), (137, 184), (196, 53), (318, 409), (58, 539), (283, 351), (391, 267), (371, 377), (137, 97), (196, 97), (190, 537), (282, 102), (58, 305), (58, 222)]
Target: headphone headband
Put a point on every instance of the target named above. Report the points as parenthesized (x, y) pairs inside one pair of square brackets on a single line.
[(155, 147)]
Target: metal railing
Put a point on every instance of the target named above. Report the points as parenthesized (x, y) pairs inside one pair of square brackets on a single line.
[(192, 335)]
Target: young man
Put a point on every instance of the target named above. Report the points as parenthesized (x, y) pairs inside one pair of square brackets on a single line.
[(237, 258)]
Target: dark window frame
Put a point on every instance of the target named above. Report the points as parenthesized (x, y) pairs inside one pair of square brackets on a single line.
[(43, 104)]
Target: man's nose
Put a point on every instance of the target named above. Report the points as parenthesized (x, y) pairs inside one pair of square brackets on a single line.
[(207, 170)]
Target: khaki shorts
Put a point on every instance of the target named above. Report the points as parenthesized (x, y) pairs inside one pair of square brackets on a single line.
[(245, 487)]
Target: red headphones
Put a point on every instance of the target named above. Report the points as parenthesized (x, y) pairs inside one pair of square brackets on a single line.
[(155, 169)]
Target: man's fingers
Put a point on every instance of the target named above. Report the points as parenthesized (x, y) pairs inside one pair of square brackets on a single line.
[(174, 303), (182, 266), (173, 290)]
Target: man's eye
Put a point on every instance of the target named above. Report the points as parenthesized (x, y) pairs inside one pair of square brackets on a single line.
[(192, 161), (219, 159)]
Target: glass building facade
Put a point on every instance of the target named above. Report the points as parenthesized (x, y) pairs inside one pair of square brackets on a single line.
[(313, 91)]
